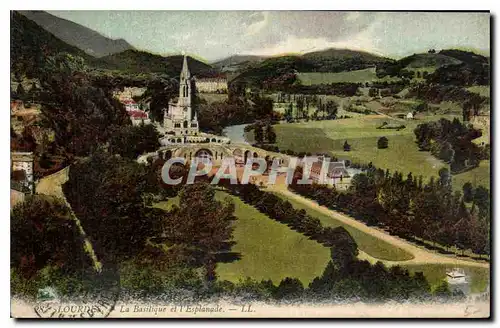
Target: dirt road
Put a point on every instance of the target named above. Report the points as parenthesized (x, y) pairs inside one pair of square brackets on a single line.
[(421, 255)]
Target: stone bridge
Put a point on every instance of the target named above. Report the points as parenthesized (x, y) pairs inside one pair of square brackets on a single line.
[(214, 151)]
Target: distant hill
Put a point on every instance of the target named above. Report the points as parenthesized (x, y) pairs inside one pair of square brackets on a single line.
[(428, 60), (237, 62), (329, 60), (30, 44), (467, 57), (90, 41), (344, 54), (135, 61)]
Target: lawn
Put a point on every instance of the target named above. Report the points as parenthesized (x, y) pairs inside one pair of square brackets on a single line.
[(482, 90), (361, 133), (479, 176), (435, 273), (402, 154), (358, 76), (373, 246), (213, 97), (269, 249)]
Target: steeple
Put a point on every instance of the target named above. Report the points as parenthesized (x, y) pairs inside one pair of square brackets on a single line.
[(185, 74)]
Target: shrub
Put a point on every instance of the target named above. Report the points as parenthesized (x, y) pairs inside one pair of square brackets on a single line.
[(382, 143)]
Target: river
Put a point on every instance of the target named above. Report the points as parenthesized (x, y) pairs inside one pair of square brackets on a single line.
[(236, 133)]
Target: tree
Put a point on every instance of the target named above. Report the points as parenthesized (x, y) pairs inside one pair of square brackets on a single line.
[(107, 195), (159, 93), (200, 227), (20, 92), (132, 141), (270, 134), (347, 147), (468, 191), (43, 233), (331, 109), (80, 113), (289, 288), (258, 134), (373, 92), (444, 177), (382, 143)]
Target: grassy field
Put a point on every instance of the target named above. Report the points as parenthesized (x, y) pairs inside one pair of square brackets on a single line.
[(361, 133), (269, 249), (482, 90), (213, 97), (435, 273), (371, 245), (480, 176), (358, 76)]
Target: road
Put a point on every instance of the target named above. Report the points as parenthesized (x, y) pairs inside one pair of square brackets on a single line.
[(52, 185), (421, 255)]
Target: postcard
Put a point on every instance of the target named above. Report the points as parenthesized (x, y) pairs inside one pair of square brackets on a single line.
[(250, 164)]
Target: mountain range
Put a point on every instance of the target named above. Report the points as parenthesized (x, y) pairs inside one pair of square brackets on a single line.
[(90, 41), (37, 34)]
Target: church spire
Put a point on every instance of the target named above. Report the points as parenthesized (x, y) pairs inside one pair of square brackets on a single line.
[(185, 74)]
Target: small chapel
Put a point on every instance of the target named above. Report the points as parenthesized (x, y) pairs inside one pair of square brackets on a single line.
[(180, 117)]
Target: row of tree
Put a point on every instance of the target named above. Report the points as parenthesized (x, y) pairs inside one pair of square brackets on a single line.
[(345, 277), (411, 209)]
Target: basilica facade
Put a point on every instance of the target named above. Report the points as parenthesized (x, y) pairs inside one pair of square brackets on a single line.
[(180, 118)]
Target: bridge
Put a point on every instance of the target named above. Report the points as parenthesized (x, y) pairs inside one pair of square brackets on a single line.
[(216, 152)]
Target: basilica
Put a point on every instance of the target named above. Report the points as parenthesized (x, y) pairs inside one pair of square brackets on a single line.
[(180, 121), (180, 117)]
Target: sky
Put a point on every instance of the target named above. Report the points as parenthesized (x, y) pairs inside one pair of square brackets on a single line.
[(213, 35)]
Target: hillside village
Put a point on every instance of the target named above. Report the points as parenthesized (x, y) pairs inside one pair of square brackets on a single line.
[(408, 140)]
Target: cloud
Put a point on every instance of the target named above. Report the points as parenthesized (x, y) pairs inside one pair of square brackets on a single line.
[(258, 26), (363, 41)]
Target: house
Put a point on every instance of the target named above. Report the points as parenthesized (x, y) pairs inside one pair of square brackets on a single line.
[(334, 172), (22, 171), (130, 105), (211, 85), (138, 117)]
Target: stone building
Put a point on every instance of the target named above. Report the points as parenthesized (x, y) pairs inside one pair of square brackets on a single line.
[(22, 162), (180, 117), (211, 85)]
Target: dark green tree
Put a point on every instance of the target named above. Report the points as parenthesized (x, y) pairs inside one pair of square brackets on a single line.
[(132, 141), (270, 134), (382, 143), (258, 133), (347, 147), (200, 227), (468, 191), (107, 194), (44, 233)]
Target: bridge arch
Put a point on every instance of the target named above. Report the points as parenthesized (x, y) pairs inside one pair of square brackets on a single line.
[(204, 154)]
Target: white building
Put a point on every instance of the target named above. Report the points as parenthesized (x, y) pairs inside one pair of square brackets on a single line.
[(211, 85), (180, 118), (23, 161)]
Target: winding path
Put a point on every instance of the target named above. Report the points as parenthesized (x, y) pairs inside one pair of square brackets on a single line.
[(421, 255), (51, 185)]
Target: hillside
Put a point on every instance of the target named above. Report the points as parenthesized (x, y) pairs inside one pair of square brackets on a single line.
[(329, 60), (344, 54), (135, 61), (30, 44), (237, 62), (90, 41), (428, 60)]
